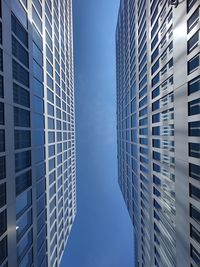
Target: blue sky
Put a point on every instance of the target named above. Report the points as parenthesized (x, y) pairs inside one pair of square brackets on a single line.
[(102, 235)]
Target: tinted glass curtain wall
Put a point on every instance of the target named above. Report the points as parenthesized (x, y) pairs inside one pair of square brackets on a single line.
[(37, 131), (158, 127)]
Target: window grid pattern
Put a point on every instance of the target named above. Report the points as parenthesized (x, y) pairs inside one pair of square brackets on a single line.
[(162, 126), (126, 111), (194, 129), (3, 210), (43, 130), (22, 126), (143, 119), (60, 169)]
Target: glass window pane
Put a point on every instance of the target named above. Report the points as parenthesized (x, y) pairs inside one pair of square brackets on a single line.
[(3, 222), (194, 85), (23, 181), (38, 88), (24, 245), (22, 139), (21, 96), (23, 202), (1, 113), (21, 117), (23, 224), (1, 87), (22, 160), (2, 140), (20, 74), (38, 105), (193, 64), (37, 19), (37, 54), (19, 31), (194, 107), (3, 249), (2, 194), (2, 167), (20, 52)]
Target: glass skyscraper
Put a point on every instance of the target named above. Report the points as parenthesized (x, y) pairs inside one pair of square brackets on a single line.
[(37, 132), (158, 128)]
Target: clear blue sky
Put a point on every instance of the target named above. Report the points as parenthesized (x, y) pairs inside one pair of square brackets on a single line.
[(102, 235)]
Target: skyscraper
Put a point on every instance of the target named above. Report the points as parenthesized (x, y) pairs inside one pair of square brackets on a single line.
[(37, 131), (158, 128)]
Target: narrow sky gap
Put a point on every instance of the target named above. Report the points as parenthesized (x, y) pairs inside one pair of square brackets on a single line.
[(102, 235)]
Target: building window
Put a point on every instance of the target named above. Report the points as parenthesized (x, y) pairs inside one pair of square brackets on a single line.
[(24, 2), (155, 67), (194, 85), (156, 118), (193, 64), (23, 202), (195, 213), (21, 117), (51, 137), (2, 140), (1, 60), (19, 31), (190, 4), (156, 167), (38, 88), (156, 105), (156, 180), (20, 74), (1, 87), (24, 246), (154, 42), (37, 54), (193, 42), (155, 80), (38, 6), (2, 195), (156, 143), (194, 107), (194, 150), (38, 105), (23, 224), (37, 19), (41, 204), (155, 54), (3, 222), (1, 113), (22, 139), (195, 234), (23, 181), (193, 20), (22, 160), (20, 52), (195, 255), (21, 96), (37, 38), (2, 167), (194, 171), (37, 71), (3, 249), (51, 123), (156, 155), (155, 92), (156, 130), (194, 128), (194, 192)]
